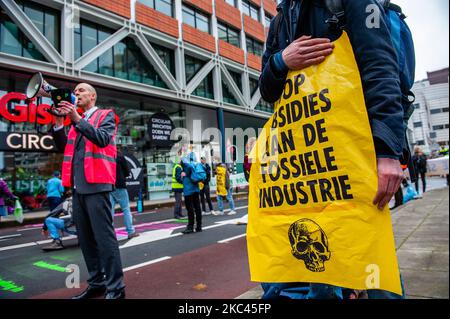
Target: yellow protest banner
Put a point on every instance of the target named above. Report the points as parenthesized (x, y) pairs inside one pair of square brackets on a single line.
[(312, 183)]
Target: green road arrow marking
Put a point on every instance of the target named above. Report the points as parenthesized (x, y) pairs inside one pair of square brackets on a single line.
[(9, 286), (56, 267)]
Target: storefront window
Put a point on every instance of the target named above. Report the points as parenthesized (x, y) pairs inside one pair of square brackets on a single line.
[(205, 88), (124, 60)]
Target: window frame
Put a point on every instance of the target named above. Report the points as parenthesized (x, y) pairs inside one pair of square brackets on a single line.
[(196, 13), (249, 9), (253, 42), (226, 28), (153, 4)]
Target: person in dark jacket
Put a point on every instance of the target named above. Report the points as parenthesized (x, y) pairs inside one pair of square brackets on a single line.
[(205, 191), (120, 194), (191, 192), (420, 166), (304, 38)]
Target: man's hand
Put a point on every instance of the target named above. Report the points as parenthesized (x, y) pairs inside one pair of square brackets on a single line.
[(390, 175), (183, 174), (70, 110), (306, 51)]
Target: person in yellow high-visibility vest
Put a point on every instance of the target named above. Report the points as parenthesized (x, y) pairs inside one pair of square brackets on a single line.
[(177, 189), (224, 189)]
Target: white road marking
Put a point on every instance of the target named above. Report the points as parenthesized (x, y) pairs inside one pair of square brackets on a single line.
[(230, 239), (154, 261), (10, 236)]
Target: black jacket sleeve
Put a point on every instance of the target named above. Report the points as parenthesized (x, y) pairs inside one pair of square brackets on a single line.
[(271, 85), (377, 62), (121, 160), (100, 136)]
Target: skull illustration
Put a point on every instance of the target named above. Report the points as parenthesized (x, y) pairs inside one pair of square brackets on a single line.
[(309, 243)]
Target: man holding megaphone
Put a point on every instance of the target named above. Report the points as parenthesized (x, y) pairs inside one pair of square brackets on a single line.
[(89, 167)]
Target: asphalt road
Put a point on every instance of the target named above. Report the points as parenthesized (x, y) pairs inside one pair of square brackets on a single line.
[(161, 263)]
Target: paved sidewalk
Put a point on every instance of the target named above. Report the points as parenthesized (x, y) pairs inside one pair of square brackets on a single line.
[(421, 230)]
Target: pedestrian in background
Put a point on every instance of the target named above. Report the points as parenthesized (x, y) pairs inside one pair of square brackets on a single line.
[(191, 192), (120, 194), (420, 166), (205, 191), (55, 190), (224, 189), (177, 189), (59, 219)]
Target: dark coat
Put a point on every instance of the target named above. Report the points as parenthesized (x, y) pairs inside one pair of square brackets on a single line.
[(122, 171), (375, 56)]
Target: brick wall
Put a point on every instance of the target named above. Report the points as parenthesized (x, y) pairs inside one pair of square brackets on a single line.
[(156, 20), (205, 5), (199, 38), (120, 7), (231, 52), (254, 28), (228, 14), (254, 61), (270, 6)]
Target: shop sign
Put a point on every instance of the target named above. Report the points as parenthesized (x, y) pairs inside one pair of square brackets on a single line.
[(135, 180), (160, 127), (26, 142), (30, 112), (24, 112)]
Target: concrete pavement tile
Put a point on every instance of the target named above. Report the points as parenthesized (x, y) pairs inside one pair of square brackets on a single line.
[(439, 261), (414, 259), (255, 293), (425, 244), (431, 284)]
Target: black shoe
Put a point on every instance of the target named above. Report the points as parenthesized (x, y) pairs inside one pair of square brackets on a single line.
[(91, 292), (188, 231), (198, 229), (118, 294)]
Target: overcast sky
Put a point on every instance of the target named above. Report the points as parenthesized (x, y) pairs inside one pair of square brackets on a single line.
[(429, 24)]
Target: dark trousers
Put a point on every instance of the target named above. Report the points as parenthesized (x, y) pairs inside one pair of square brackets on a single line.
[(205, 192), (192, 203), (97, 238), (178, 208), (53, 202), (398, 197), (424, 183)]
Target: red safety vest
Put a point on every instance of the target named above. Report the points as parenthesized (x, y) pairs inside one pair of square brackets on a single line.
[(99, 162)]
